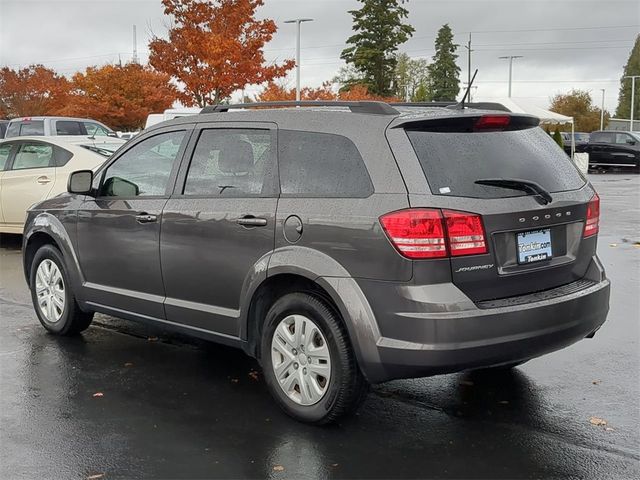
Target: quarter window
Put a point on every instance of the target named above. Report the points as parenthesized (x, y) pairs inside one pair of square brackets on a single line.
[(33, 155), (32, 128), (321, 165), (143, 170), (232, 163)]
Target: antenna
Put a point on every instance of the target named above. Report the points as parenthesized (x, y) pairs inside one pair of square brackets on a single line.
[(134, 58), (460, 106)]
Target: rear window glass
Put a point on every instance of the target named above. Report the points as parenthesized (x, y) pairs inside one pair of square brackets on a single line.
[(321, 165), (452, 162), (32, 128)]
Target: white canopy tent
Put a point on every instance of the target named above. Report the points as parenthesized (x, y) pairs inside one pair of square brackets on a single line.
[(546, 116)]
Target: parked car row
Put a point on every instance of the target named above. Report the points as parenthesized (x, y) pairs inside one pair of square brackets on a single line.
[(35, 168), (613, 148)]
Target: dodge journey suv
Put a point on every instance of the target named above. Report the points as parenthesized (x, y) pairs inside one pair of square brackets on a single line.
[(341, 244)]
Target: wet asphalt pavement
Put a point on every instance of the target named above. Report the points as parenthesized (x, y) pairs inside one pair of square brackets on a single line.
[(172, 407)]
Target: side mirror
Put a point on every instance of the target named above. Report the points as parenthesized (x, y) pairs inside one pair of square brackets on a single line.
[(80, 182), (112, 134), (631, 142), (119, 187)]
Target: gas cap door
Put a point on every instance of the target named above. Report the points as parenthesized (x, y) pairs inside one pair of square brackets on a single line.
[(292, 229)]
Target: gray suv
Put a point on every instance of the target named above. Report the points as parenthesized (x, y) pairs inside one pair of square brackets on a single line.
[(341, 244)]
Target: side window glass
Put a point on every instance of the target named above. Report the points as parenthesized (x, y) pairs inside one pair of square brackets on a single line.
[(5, 151), (69, 127), (231, 163), (145, 169), (32, 128), (13, 130), (94, 129), (33, 155), (321, 164)]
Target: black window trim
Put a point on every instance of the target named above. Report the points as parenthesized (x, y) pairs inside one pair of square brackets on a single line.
[(178, 190), (14, 147), (101, 172)]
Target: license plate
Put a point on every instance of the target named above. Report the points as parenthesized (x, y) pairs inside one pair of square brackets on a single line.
[(534, 246)]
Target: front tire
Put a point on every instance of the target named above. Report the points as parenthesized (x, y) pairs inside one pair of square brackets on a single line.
[(51, 294), (308, 362)]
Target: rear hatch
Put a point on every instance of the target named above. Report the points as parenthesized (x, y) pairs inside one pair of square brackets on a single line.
[(513, 205)]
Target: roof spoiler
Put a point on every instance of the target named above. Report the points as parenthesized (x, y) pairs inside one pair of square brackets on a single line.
[(477, 105), (368, 107)]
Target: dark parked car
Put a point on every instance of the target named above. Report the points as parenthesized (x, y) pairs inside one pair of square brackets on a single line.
[(581, 141), (3, 127), (613, 148), (340, 246)]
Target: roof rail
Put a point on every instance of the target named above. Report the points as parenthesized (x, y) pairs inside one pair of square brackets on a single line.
[(477, 105), (369, 107)]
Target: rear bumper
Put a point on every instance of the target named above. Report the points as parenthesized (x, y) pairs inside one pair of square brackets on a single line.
[(421, 344)]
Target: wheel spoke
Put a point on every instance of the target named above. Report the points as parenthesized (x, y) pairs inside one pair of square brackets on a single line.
[(304, 388), (322, 369), (50, 311), (58, 302), (283, 368), (299, 329), (289, 383), (315, 390), (284, 335)]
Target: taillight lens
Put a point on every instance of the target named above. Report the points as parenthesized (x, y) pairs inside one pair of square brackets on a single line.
[(416, 233), (465, 232), (591, 227), (431, 233)]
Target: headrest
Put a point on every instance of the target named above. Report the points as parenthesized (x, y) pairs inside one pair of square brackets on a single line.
[(236, 156)]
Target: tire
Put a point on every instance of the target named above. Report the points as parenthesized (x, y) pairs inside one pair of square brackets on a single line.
[(59, 313), (311, 397)]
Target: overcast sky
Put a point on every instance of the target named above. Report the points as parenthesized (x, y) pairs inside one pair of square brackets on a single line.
[(565, 44)]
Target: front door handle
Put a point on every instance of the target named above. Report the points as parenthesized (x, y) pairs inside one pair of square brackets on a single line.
[(43, 180), (251, 221), (146, 218)]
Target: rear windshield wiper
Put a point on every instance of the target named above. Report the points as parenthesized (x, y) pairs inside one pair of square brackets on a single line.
[(518, 184)]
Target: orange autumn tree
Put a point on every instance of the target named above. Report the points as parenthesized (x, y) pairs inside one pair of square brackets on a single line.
[(274, 92), (215, 48), (34, 90), (120, 96)]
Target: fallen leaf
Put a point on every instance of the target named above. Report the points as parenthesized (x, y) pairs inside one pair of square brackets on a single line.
[(613, 244), (152, 339), (609, 429), (98, 394), (598, 421), (253, 375), (597, 382), (128, 364), (95, 476), (278, 468), (234, 380), (334, 465)]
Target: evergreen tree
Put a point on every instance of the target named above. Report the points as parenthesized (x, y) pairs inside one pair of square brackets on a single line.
[(444, 72), (624, 99), (379, 30)]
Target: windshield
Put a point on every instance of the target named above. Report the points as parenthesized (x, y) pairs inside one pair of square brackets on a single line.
[(452, 162)]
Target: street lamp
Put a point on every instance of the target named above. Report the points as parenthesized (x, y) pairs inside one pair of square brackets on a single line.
[(510, 57), (602, 111), (298, 21), (633, 97)]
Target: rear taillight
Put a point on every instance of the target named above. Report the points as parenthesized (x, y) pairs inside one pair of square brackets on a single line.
[(416, 233), (591, 227), (465, 232), (430, 233)]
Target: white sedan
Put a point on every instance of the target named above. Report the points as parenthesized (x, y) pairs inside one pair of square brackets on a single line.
[(33, 169)]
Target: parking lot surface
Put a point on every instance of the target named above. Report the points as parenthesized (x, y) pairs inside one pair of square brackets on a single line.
[(123, 400)]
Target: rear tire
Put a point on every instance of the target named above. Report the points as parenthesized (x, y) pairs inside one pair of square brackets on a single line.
[(51, 294), (308, 362)]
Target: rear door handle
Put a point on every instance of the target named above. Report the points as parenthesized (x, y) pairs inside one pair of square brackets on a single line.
[(146, 218), (251, 221), (43, 180)]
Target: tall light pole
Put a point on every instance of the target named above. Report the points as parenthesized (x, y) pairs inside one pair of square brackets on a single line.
[(633, 97), (602, 111), (510, 57), (468, 47), (298, 21)]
